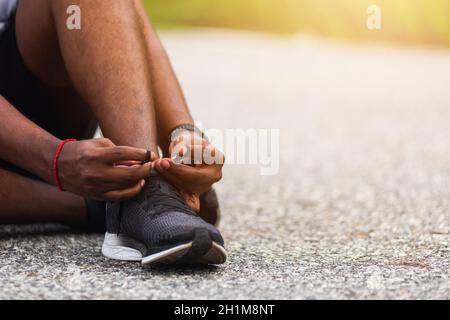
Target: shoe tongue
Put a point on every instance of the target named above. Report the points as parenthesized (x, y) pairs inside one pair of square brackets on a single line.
[(162, 195)]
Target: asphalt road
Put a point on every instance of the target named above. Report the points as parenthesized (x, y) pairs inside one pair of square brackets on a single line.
[(360, 207)]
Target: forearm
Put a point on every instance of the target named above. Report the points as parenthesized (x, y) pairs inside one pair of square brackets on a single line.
[(25, 144), (170, 104)]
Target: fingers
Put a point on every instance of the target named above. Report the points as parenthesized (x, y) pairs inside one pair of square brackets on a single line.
[(121, 176), (184, 172), (189, 155), (121, 154), (178, 179), (108, 151), (191, 149), (181, 145), (194, 179), (128, 193), (176, 171), (198, 155), (128, 163), (213, 156), (131, 163)]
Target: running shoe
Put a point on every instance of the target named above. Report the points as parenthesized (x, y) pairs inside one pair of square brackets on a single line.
[(157, 227)]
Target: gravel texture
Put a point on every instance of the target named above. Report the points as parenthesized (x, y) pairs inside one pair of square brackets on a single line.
[(361, 205)]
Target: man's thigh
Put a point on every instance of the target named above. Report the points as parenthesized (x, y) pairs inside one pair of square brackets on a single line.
[(56, 108), (37, 41)]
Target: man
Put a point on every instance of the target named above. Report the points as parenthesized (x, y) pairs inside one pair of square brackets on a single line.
[(58, 84)]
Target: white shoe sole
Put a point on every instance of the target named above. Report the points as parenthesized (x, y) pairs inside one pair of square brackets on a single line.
[(123, 248)]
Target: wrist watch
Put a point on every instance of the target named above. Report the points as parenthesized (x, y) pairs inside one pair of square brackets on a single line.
[(185, 127)]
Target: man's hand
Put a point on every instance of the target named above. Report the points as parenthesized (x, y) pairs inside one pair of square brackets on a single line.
[(199, 174), (100, 170)]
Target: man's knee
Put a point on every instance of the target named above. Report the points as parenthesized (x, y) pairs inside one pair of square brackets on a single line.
[(38, 42), (91, 11)]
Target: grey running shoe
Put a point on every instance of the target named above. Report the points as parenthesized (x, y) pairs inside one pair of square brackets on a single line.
[(158, 227)]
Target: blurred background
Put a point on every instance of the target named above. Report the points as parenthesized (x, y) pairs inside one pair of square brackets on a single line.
[(360, 206), (406, 21)]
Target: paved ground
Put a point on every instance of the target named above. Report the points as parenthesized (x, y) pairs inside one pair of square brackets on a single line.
[(360, 208)]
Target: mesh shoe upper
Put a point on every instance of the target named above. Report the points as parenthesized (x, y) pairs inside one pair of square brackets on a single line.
[(157, 217)]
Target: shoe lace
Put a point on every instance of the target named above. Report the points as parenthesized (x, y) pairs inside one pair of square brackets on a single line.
[(160, 194), (161, 197)]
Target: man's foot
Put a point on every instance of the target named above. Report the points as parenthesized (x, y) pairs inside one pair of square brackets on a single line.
[(210, 208), (158, 227)]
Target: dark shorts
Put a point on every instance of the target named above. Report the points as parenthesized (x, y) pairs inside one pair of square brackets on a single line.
[(27, 94), (30, 97), (17, 84), (15, 79)]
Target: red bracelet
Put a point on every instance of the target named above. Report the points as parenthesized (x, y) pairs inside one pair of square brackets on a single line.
[(55, 163)]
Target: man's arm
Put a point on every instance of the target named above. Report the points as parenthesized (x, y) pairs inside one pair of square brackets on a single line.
[(170, 104), (25, 144), (87, 168), (171, 111)]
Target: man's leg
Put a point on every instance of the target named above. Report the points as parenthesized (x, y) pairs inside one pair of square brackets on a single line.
[(170, 104), (23, 198), (26, 200), (106, 69), (106, 62), (120, 97)]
